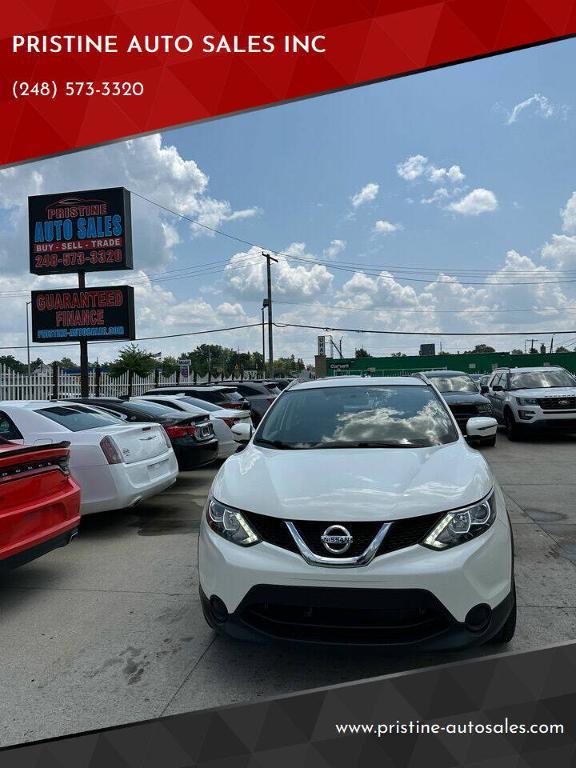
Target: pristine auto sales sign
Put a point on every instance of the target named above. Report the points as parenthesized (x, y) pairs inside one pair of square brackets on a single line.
[(87, 231), (75, 314)]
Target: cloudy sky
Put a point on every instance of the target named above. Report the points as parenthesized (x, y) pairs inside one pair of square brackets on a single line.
[(442, 202)]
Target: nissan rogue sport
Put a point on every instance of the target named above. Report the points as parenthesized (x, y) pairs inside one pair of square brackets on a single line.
[(358, 513)]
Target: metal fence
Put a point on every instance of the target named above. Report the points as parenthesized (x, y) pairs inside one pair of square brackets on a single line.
[(50, 383)]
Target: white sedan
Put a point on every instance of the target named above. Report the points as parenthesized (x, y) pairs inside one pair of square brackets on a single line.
[(116, 464), (223, 419)]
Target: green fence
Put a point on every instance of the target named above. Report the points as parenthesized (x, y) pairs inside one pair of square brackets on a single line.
[(470, 363)]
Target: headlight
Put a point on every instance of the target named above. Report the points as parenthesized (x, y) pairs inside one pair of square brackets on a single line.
[(230, 524), (526, 401), (462, 525)]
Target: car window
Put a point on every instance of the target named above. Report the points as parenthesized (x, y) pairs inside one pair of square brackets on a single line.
[(398, 416), (147, 409), (454, 383), (496, 380), (76, 418), (8, 430), (541, 379), (204, 404)]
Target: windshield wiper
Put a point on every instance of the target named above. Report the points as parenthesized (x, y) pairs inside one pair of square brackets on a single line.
[(362, 444), (276, 444)]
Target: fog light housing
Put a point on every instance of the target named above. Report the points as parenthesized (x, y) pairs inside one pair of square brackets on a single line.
[(219, 610), (478, 618), (526, 415)]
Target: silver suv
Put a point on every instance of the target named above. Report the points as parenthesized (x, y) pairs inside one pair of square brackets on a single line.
[(533, 398)]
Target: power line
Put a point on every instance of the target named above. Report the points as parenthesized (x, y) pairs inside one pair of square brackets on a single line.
[(421, 333), (143, 338), (374, 271)]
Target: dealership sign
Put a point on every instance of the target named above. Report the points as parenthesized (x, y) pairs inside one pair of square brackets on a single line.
[(85, 231), (83, 314)]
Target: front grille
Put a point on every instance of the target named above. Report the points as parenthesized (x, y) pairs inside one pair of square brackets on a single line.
[(557, 403), (401, 534), (333, 615)]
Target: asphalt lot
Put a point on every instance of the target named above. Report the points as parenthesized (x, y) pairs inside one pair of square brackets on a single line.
[(109, 630)]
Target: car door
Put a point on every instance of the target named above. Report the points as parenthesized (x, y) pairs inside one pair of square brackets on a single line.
[(496, 397)]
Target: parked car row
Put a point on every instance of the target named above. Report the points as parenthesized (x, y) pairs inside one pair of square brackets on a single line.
[(523, 400)]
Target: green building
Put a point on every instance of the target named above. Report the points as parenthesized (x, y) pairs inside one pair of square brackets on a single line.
[(470, 363)]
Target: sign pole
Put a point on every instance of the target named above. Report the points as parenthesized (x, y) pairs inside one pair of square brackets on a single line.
[(84, 383)]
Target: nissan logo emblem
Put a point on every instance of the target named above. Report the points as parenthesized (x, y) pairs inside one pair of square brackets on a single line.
[(337, 539)]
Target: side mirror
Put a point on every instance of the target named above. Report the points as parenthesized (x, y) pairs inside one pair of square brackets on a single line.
[(484, 389), (242, 432), (497, 388), (481, 426)]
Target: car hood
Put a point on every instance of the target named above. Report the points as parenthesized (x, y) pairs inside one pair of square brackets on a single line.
[(464, 397), (353, 483), (545, 392)]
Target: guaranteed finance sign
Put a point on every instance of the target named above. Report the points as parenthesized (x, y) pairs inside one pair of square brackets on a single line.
[(85, 231), (73, 314)]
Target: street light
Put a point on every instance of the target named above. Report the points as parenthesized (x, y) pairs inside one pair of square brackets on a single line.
[(28, 303)]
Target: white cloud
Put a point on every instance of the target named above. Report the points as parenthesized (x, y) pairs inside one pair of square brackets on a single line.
[(366, 194), (245, 274), (476, 202), (568, 215), (541, 104), (562, 250), (148, 166), (412, 168), (384, 227), (418, 166), (441, 175), (439, 195), (335, 247)]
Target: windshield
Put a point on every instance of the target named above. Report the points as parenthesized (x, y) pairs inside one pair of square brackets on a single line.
[(75, 418), (454, 383), (357, 416), (541, 379)]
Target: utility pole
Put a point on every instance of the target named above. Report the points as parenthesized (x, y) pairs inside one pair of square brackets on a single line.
[(264, 305), (552, 345), (270, 338), (28, 303), (84, 382)]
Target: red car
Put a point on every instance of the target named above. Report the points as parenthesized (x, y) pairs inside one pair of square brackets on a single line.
[(39, 501)]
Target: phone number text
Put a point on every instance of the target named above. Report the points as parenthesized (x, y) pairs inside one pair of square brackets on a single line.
[(50, 88)]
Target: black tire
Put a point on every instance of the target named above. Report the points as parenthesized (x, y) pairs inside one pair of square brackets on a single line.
[(513, 429), (506, 632)]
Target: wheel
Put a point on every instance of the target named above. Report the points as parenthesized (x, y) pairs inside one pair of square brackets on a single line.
[(490, 442), (506, 632), (512, 428)]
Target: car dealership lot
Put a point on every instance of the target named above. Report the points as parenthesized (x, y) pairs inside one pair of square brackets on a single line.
[(109, 630)]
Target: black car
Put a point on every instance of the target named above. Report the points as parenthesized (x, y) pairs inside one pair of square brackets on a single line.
[(463, 398), (192, 437), (260, 395), (222, 396)]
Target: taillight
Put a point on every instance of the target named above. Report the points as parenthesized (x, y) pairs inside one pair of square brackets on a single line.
[(110, 450), (64, 464), (233, 405), (174, 432)]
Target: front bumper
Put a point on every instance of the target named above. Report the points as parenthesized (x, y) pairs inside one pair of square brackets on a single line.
[(368, 617), (477, 572), (533, 417)]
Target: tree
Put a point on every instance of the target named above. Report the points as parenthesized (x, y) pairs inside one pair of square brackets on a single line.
[(361, 352), (133, 360), (480, 349), (397, 354), (169, 366), (562, 349), (517, 352), (542, 349)]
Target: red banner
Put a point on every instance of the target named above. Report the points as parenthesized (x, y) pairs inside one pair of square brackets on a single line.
[(75, 74)]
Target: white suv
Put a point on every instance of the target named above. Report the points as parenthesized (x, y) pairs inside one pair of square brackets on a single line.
[(533, 398), (357, 513)]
